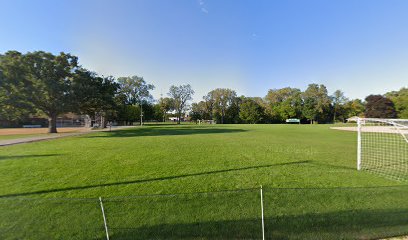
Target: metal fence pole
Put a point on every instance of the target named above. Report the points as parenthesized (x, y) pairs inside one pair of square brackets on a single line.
[(262, 211), (104, 219)]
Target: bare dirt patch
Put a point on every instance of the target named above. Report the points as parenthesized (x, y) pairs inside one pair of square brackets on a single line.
[(374, 129), (25, 131), (351, 129)]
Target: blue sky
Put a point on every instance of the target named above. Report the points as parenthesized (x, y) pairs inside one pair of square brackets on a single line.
[(360, 47)]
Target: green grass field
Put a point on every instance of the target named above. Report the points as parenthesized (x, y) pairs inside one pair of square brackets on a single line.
[(178, 177)]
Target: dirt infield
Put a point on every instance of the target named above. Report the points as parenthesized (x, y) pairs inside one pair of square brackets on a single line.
[(374, 129), (352, 129), (26, 131)]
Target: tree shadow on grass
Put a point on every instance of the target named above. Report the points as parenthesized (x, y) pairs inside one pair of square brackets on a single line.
[(22, 157), (331, 166), (149, 180), (345, 224), (166, 131)]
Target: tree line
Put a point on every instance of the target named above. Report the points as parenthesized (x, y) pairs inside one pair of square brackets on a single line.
[(47, 84), (312, 105)]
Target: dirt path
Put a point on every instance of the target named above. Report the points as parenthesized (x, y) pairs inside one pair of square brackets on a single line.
[(8, 142)]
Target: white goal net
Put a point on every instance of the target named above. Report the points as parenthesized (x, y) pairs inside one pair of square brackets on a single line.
[(383, 147)]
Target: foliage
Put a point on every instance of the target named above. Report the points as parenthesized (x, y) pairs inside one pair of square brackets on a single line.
[(12, 107), (128, 114), (199, 111), (400, 100), (353, 108), (284, 103), (232, 112), (378, 106), (209, 104), (339, 101), (181, 95), (316, 103), (166, 104), (221, 100), (158, 114), (61, 85), (46, 75), (135, 90), (91, 93), (251, 111)]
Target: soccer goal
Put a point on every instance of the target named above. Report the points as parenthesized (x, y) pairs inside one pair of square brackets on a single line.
[(383, 147)]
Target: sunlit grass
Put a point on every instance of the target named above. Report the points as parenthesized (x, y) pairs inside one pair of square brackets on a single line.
[(168, 159)]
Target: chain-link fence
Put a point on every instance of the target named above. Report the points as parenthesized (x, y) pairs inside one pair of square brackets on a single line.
[(289, 213)]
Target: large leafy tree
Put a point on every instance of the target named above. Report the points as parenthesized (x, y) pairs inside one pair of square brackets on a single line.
[(199, 111), (378, 106), (136, 91), (128, 114), (12, 107), (222, 99), (232, 112), (251, 111), (338, 101), (166, 104), (209, 104), (92, 94), (284, 103), (181, 95), (400, 100), (354, 108), (40, 80), (158, 113), (316, 102)]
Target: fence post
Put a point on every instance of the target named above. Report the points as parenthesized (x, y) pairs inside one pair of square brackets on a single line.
[(262, 211), (104, 219)]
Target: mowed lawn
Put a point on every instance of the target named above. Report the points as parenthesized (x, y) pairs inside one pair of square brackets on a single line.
[(308, 172)]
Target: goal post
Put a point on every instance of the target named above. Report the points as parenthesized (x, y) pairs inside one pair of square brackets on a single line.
[(382, 146)]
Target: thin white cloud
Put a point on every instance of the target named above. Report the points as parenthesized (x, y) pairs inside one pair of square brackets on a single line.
[(202, 6)]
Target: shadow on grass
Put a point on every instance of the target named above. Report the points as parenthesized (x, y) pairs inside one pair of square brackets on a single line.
[(346, 224), (166, 131), (331, 166), (21, 157), (148, 180)]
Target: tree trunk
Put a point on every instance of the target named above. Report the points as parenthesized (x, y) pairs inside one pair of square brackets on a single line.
[(52, 123), (103, 122), (141, 115), (222, 115), (179, 116)]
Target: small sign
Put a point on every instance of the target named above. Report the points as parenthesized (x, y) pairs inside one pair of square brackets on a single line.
[(293, 120)]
